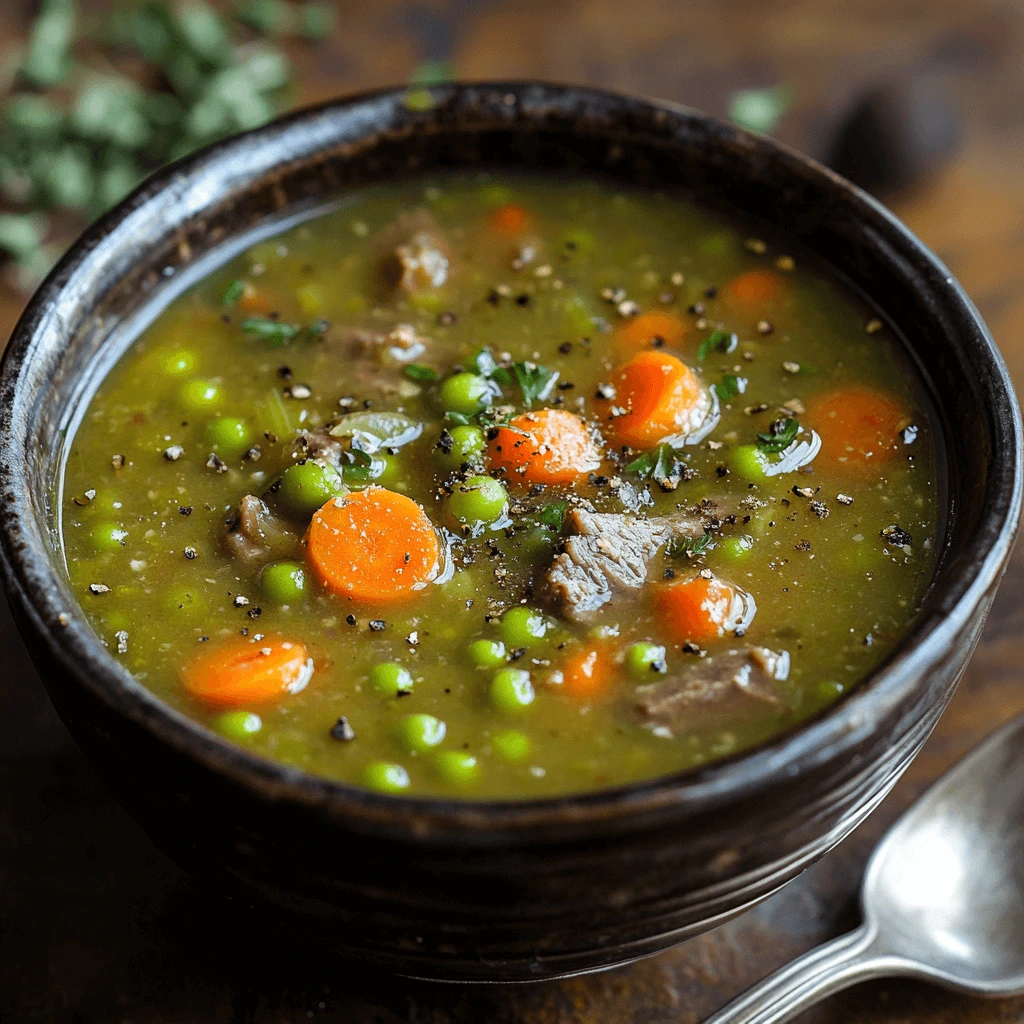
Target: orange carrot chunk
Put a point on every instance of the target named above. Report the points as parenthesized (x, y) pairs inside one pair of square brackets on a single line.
[(247, 671), (511, 220), (753, 290), (549, 446), (374, 545), (701, 609), (656, 396), (650, 330), (587, 672), (857, 426)]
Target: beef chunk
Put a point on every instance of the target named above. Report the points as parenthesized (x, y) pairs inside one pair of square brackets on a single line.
[(255, 534), (413, 253), (319, 446), (714, 691), (608, 551), (372, 360)]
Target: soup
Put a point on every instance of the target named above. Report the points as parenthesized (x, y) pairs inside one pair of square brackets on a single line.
[(504, 487)]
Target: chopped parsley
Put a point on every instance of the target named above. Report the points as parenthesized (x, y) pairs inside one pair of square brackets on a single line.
[(717, 340), (661, 464), (688, 547), (415, 371), (730, 386), (274, 331), (535, 381), (781, 434), (553, 516), (233, 292)]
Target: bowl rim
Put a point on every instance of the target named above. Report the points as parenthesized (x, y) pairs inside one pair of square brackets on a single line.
[(31, 580)]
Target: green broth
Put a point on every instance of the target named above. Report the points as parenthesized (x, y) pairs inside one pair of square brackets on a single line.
[(830, 588)]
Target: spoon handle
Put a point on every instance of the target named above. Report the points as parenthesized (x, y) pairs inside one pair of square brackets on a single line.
[(829, 968)]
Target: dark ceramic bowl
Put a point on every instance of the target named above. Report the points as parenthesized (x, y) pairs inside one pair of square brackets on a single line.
[(498, 891)]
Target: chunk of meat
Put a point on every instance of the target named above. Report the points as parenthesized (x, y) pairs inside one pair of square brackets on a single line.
[(715, 691), (370, 358), (400, 345), (609, 551), (319, 446), (414, 255), (255, 534)]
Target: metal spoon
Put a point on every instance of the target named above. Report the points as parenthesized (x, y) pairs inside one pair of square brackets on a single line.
[(943, 896)]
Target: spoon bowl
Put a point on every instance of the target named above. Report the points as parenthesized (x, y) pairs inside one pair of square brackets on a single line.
[(943, 896)]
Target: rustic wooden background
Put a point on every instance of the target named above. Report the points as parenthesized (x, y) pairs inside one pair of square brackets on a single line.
[(96, 926)]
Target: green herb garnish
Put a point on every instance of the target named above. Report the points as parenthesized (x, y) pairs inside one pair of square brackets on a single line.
[(415, 371), (730, 386), (780, 436), (661, 464), (233, 292), (458, 418), (553, 516), (717, 340), (535, 381), (274, 331), (688, 547)]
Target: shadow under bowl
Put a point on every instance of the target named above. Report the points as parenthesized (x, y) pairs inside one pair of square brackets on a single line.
[(499, 891)]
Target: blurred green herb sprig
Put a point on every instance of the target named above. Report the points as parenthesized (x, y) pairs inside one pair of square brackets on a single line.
[(93, 107)]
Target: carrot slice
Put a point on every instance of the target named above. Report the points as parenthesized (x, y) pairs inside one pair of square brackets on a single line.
[(587, 672), (753, 290), (656, 395), (857, 426), (373, 545), (650, 330), (511, 220), (701, 609), (247, 671), (549, 446)]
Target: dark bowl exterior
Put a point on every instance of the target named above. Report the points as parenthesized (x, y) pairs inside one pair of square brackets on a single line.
[(490, 891)]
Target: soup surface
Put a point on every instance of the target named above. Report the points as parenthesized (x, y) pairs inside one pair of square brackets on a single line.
[(503, 487)]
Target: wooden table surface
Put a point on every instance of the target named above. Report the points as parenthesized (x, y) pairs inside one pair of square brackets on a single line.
[(97, 926)]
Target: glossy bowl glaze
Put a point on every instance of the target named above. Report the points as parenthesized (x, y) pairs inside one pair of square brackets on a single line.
[(498, 891)]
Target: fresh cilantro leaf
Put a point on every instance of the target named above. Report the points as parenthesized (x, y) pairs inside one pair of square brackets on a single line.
[(781, 435), (717, 340), (535, 381), (274, 331), (414, 371), (233, 292), (688, 547), (730, 386), (661, 464), (553, 516), (458, 418)]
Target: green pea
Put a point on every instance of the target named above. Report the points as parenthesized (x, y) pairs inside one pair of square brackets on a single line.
[(467, 444), (284, 582), (644, 659), (511, 690), (748, 462), (108, 537), (511, 745), (229, 437), (733, 548), (456, 766), (522, 626), (200, 395), (385, 777), (390, 679), (306, 486), (487, 653), (238, 725), (420, 732), (481, 499), (466, 393), (178, 362)]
